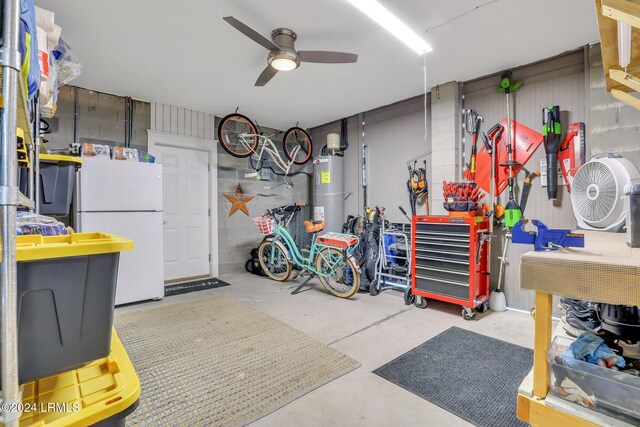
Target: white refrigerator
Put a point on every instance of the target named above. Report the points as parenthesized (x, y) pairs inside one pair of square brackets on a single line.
[(125, 198)]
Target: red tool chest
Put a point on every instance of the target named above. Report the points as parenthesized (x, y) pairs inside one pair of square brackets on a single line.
[(449, 261)]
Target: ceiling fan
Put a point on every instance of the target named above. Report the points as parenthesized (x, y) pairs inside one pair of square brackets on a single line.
[(282, 53)]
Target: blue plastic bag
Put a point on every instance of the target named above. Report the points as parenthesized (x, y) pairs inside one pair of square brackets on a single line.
[(29, 46)]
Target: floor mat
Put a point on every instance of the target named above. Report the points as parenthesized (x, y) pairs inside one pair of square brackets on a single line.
[(470, 375), (217, 361), (196, 285)]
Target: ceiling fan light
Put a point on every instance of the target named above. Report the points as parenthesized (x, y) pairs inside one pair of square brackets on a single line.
[(284, 64)]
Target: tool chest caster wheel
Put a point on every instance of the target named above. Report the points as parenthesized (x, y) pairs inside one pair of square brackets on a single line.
[(409, 298), (468, 313), (421, 302), (482, 307)]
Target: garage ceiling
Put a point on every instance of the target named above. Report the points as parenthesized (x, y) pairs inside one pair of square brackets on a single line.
[(183, 53)]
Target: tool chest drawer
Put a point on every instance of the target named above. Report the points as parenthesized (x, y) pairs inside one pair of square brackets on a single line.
[(448, 288), (443, 228), (435, 261)]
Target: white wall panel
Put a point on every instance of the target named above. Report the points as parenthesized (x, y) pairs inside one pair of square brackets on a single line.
[(181, 121)]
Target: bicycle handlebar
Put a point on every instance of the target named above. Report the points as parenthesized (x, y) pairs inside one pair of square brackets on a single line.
[(286, 209)]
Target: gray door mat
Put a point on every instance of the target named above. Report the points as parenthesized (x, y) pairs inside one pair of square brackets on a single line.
[(470, 375), (217, 361)]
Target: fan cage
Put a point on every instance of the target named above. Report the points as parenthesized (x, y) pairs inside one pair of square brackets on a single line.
[(594, 192)]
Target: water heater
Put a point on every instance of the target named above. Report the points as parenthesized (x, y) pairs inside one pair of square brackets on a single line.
[(328, 191)]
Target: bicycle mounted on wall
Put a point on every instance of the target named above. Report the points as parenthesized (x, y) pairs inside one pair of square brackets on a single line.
[(241, 138)]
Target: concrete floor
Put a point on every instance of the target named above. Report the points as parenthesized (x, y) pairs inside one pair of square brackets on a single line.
[(372, 330)]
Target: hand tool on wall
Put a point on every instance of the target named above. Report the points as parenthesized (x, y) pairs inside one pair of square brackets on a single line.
[(526, 188), (404, 213), (417, 185), (526, 141), (545, 238), (551, 133), (490, 146), (497, 298), (425, 190), (472, 122), (512, 212), (494, 134), (572, 152), (364, 178)]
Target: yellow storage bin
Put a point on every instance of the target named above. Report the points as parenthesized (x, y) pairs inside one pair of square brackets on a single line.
[(101, 390), (23, 155), (35, 246), (66, 294)]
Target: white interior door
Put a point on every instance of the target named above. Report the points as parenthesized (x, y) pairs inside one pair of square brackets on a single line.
[(186, 212)]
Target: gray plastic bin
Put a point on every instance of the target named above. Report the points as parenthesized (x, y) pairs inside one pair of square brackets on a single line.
[(57, 181), (119, 419), (65, 313)]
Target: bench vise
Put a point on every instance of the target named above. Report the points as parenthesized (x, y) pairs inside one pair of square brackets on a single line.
[(545, 238)]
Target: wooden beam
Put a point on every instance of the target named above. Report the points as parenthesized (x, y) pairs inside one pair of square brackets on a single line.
[(626, 98), (541, 342), (523, 408), (537, 413), (622, 10), (609, 47), (633, 69), (626, 79)]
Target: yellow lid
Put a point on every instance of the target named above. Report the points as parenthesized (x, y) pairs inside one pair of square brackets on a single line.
[(84, 396), (36, 246), (61, 158)]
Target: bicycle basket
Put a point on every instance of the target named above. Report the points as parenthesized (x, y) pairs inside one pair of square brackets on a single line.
[(266, 225)]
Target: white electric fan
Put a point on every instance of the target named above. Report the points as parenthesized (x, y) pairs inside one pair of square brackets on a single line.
[(598, 192)]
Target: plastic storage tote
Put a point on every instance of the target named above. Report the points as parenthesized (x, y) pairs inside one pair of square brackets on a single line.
[(102, 393), (66, 293), (57, 181), (611, 392)]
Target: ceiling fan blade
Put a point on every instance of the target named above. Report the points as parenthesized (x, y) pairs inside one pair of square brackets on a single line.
[(251, 33), (326, 57), (266, 75)]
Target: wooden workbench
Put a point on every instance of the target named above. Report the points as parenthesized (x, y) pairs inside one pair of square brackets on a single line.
[(606, 270)]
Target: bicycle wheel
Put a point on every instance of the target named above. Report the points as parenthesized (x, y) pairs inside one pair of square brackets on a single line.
[(338, 274), (274, 261), (297, 137), (231, 128)]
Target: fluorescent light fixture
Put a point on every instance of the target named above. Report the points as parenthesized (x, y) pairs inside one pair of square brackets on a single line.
[(391, 23)]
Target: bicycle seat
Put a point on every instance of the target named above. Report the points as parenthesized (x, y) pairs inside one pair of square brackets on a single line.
[(314, 226)]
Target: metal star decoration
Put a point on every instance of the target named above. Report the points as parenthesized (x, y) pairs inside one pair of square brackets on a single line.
[(238, 201)]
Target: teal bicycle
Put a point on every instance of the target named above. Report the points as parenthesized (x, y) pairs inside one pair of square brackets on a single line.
[(329, 257)]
